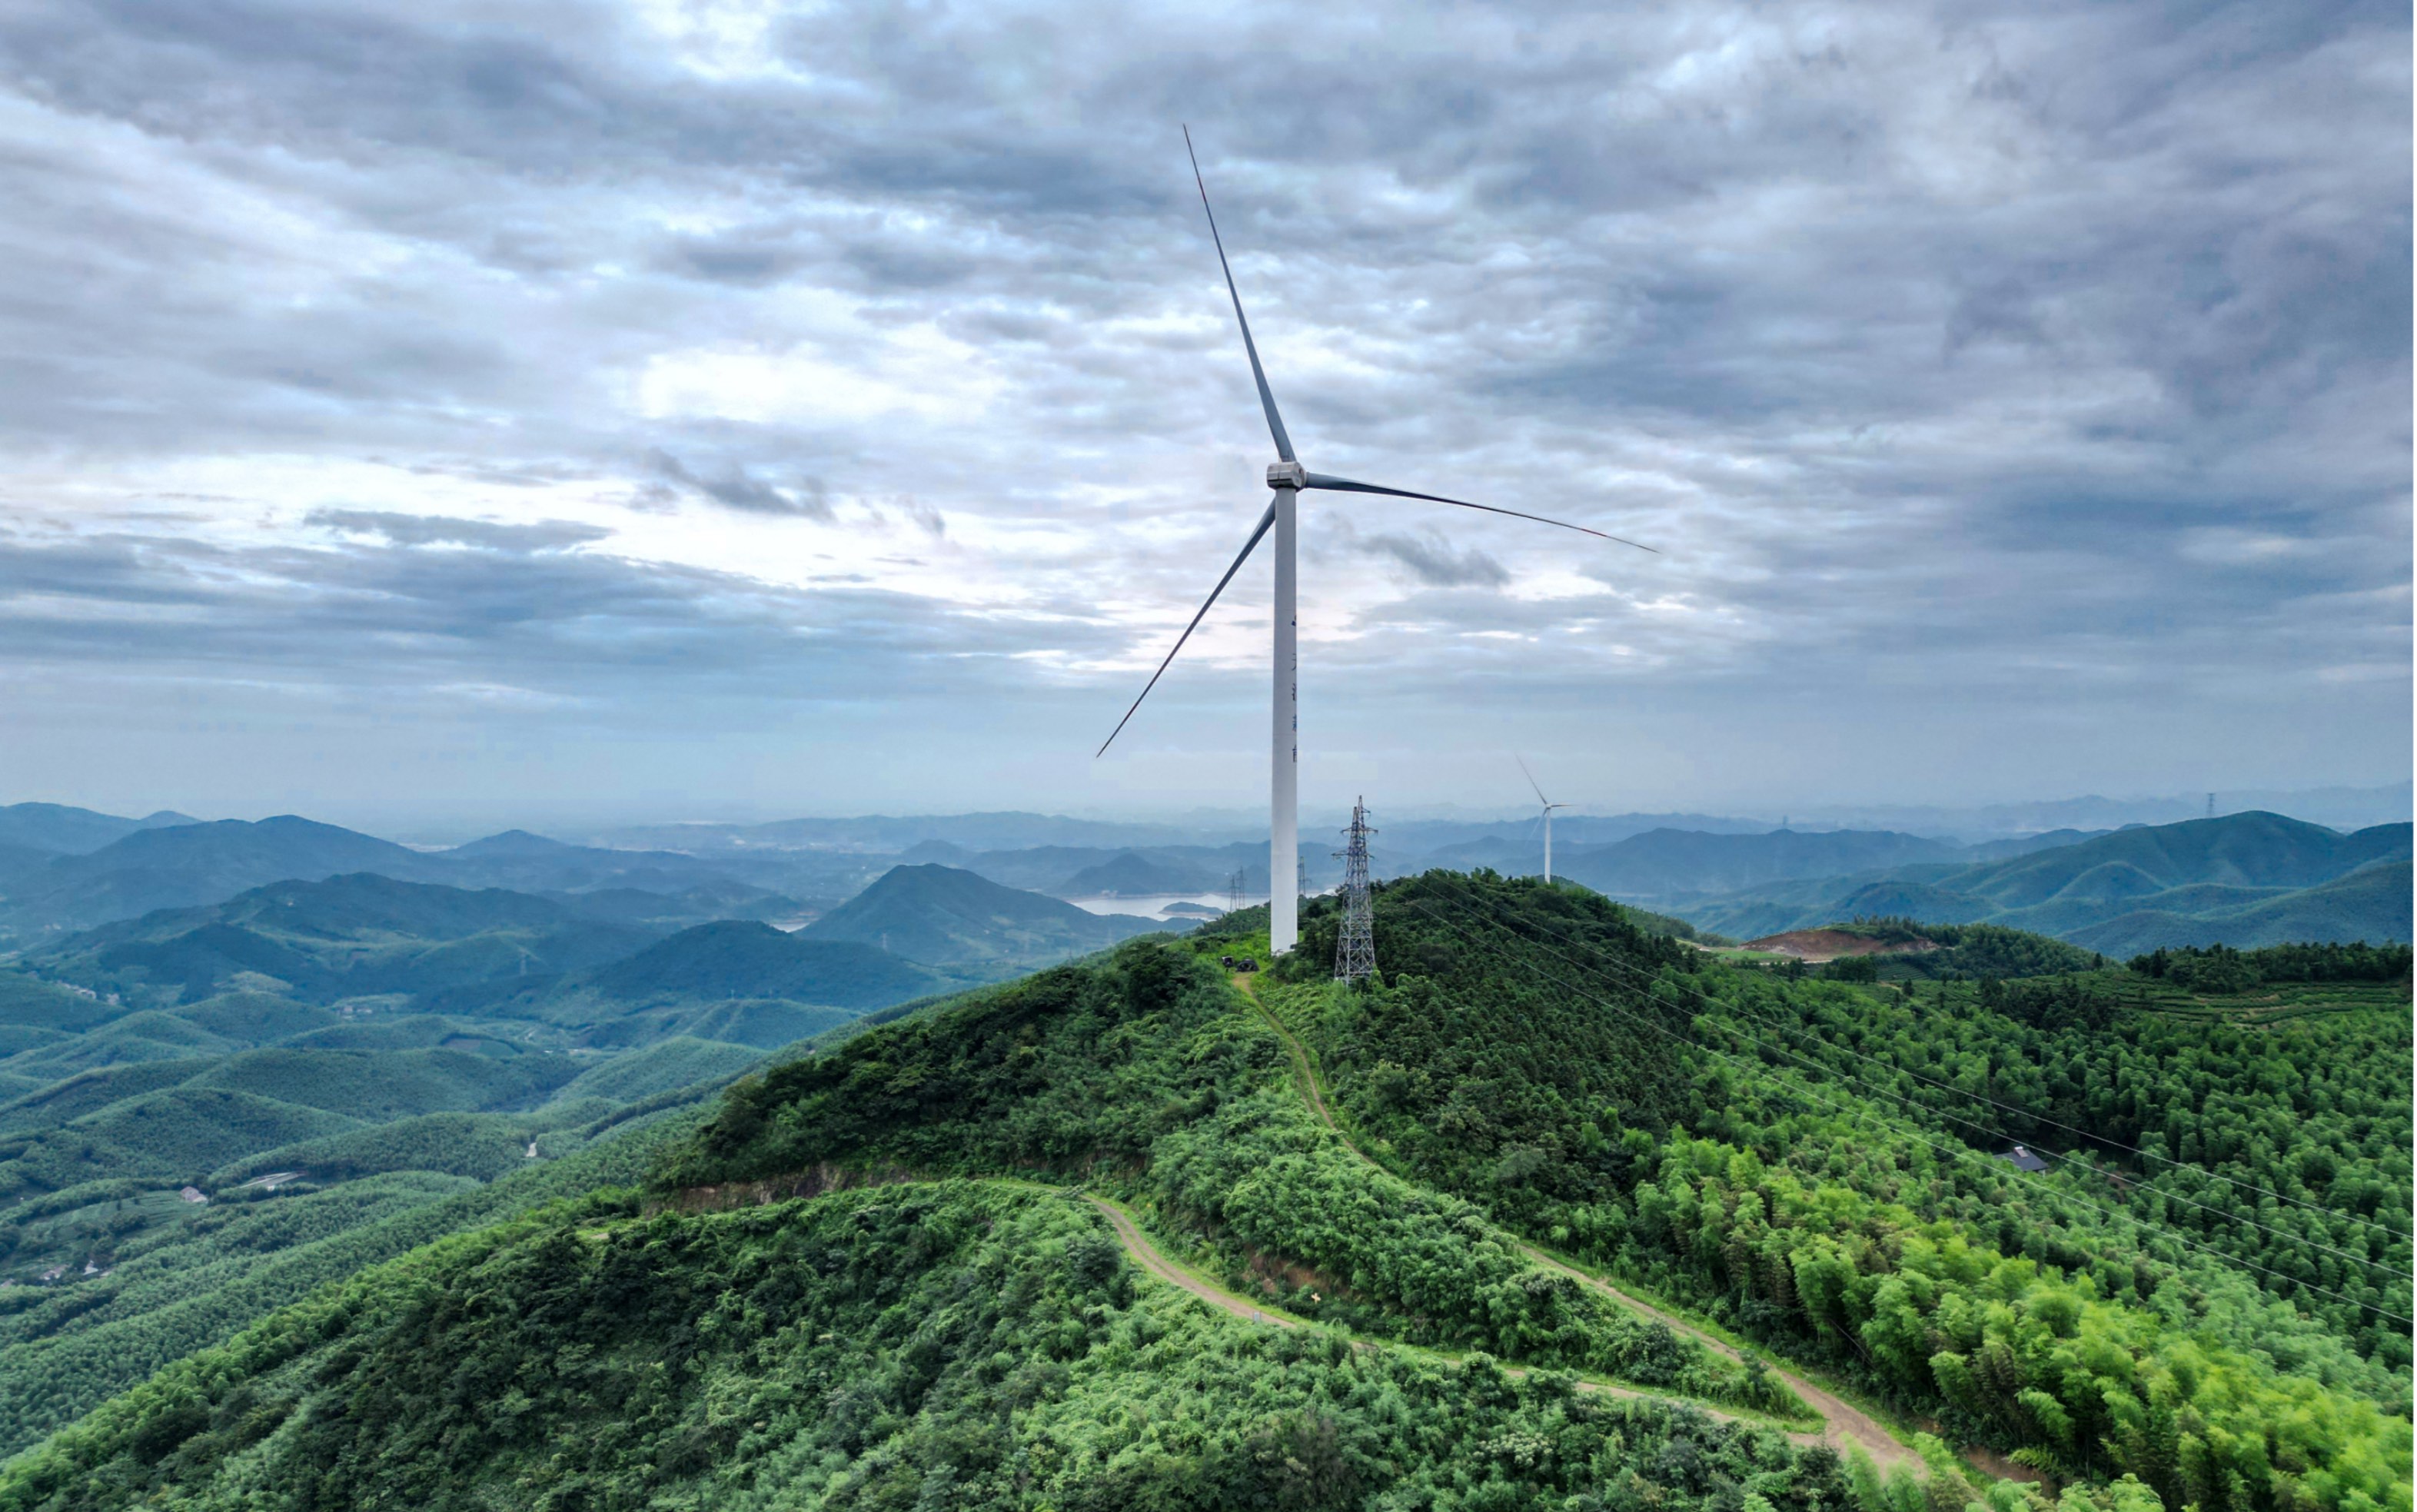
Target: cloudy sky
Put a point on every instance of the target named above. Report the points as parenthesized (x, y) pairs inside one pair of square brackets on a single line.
[(687, 409)]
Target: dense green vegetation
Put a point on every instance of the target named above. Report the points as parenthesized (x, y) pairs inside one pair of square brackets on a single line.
[(956, 1345), (1844, 1222), (2222, 969), (1148, 1076), (204, 1273), (321, 1139), (853, 1284)]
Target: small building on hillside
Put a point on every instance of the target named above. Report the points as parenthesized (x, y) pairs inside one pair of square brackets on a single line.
[(193, 1194), (2021, 1158)]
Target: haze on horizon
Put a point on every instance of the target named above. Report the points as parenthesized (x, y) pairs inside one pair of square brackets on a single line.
[(697, 409)]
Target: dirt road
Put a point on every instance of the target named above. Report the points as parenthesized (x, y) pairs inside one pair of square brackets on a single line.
[(1845, 1424), (1149, 1257)]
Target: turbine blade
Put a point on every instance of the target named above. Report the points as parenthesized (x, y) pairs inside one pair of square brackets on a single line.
[(1345, 485), (1532, 779), (1258, 374), (1266, 521)]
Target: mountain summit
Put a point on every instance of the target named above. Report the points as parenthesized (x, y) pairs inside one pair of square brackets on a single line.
[(943, 917)]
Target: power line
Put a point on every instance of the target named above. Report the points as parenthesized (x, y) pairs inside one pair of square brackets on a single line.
[(1949, 1150), (2352, 1218)]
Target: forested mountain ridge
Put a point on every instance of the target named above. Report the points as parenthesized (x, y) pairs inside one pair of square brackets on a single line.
[(197, 864), (1711, 1217), (1533, 1068)]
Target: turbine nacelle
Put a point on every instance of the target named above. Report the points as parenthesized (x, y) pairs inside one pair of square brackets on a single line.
[(1287, 476)]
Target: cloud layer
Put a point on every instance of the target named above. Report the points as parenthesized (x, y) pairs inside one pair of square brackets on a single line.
[(837, 407)]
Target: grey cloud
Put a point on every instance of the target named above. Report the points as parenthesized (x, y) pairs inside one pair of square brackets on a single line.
[(1932, 342), (383, 611), (1433, 562), (429, 530), (734, 487)]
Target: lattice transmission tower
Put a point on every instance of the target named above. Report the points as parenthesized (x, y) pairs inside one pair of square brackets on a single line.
[(1355, 952)]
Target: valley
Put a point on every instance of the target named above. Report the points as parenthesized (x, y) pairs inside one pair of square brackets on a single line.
[(1575, 1167)]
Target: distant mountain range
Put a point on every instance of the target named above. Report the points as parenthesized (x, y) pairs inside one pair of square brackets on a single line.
[(193, 864), (2244, 880), (1733, 879), (609, 976), (64, 831), (384, 949)]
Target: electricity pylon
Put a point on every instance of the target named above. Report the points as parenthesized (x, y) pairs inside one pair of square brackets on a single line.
[(1355, 952)]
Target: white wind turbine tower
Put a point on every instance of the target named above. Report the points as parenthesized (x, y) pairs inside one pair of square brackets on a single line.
[(1549, 806), (1287, 478)]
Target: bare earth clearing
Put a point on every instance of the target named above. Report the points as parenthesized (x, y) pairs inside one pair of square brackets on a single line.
[(1813, 946)]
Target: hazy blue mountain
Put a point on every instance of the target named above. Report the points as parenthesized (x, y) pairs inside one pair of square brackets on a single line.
[(187, 866), (2025, 845), (882, 834), (66, 831), (1671, 864), (743, 959), (2251, 850), (2370, 903), (1075, 872), (532, 863), (2238, 879), (347, 936), (196, 865), (701, 904), (1412, 837), (945, 916), (1132, 875), (18, 862)]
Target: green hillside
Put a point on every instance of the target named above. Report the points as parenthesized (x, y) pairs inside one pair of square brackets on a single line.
[(2247, 878), (1559, 1212), (201, 1275), (945, 916), (309, 1129), (945, 1346)]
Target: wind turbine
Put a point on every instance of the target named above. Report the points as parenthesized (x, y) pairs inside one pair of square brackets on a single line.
[(1549, 806), (1287, 479)]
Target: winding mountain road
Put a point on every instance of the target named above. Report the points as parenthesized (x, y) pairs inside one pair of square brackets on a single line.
[(1844, 1424), (1152, 1259)]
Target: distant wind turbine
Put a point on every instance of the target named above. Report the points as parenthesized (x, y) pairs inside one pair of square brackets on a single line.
[(1549, 806), (1287, 478)]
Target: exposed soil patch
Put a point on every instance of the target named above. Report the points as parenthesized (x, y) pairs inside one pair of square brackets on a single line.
[(810, 1182), (1813, 946)]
